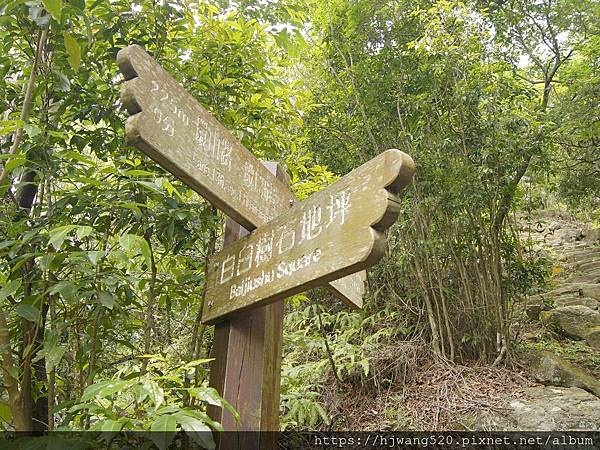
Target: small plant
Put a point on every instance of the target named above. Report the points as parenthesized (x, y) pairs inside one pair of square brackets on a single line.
[(157, 400)]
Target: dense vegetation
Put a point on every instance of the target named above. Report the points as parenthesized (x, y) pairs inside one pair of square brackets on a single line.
[(102, 253)]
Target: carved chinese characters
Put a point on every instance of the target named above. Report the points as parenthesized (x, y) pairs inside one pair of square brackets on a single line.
[(172, 128), (335, 232)]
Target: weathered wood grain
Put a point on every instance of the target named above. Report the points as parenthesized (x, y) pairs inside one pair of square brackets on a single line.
[(335, 232), (172, 128), (350, 289), (246, 368)]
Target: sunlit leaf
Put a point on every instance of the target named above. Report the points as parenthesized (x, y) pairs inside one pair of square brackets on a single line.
[(58, 235), (54, 7), (73, 50), (9, 289)]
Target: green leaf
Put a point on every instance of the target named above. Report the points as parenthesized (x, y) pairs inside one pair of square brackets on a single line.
[(73, 50), (155, 392), (67, 289), (84, 231), (165, 423), (15, 162), (5, 413), (153, 187), (46, 260), (54, 356), (78, 407), (106, 299), (198, 430), (164, 429), (79, 4), (111, 425), (135, 244), (195, 363), (141, 393), (128, 242), (94, 256), (207, 394), (31, 130), (58, 235), (106, 388), (54, 7), (52, 353), (28, 312), (10, 289), (203, 417), (138, 173), (8, 127)]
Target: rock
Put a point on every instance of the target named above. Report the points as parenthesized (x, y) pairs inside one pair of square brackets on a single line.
[(576, 289), (545, 408), (593, 337), (583, 301), (533, 310), (554, 226), (536, 304), (579, 234), (590, 266), (572, 321), (590, 290), (578, 254), (588, 278), (551, 369), (593, 235)]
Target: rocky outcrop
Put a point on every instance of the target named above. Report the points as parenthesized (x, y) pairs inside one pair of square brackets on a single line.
[(550, 369), (593, 337), (574, 321), (574, 301), (569, 399), (545, 408), (574, 290), (569, 294)]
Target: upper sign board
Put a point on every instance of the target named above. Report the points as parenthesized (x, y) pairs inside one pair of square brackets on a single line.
[(172, 128), (335, 232)]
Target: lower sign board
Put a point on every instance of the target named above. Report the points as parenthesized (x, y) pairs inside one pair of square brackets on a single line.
[(333, 233)]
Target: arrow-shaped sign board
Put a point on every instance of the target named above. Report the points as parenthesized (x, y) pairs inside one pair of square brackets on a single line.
[(336, 231), (172, 128)]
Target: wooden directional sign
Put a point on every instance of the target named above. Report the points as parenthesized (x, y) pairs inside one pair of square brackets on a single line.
[(336, 231), (172, 128)]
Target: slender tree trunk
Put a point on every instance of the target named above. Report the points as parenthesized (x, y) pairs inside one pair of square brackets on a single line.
[(29, 91), (150, 307), (21, 420)]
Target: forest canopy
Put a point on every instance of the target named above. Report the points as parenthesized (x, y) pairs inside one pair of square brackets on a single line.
[(103, 253)]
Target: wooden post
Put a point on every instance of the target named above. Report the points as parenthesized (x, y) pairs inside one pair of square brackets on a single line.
[(247, 366)]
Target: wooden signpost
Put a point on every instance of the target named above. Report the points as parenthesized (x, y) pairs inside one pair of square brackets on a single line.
[(337, 231), (328, 238), (172, 128)]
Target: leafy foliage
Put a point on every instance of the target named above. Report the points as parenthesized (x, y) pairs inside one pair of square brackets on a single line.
[(103, 253)]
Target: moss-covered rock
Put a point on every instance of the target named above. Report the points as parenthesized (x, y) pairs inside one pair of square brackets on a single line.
[(551, 369), (584, 301), (593, 337), (573, 321)]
